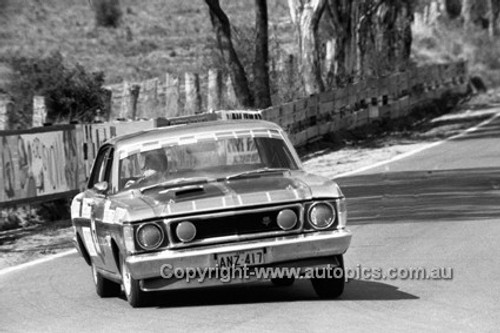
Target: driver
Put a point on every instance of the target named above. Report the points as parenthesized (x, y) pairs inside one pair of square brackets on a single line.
[(155, 165)]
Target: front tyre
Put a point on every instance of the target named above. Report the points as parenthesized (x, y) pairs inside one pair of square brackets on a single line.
[(330, 286), (135, 296), (103, 286)]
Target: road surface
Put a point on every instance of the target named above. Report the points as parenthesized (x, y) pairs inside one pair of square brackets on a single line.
[(437, 208)]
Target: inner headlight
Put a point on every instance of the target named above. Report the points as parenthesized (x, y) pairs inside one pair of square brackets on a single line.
[(150, 236), (321, 215), (186, 231), (286, 219)]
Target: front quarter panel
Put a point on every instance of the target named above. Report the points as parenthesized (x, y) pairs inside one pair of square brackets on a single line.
[(321, 187), (97, 222), (80, 219)]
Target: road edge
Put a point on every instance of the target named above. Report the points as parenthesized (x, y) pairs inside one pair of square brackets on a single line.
[(418, 150), (36, 262)]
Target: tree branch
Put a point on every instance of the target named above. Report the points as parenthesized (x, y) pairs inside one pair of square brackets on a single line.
[(222, 28)]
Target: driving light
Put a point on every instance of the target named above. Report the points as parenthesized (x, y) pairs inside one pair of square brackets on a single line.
[(150, 236), (287, 219), (321, 215), (186, 231)]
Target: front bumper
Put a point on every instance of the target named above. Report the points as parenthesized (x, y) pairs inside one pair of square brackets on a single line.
[(318, 246)]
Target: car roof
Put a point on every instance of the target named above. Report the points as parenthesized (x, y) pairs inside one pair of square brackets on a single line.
[(191, 129)]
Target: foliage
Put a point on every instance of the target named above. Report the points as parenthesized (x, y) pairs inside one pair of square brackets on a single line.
[(17, 217), (54, 210), (108, 13), (447, 41), (71, 93)]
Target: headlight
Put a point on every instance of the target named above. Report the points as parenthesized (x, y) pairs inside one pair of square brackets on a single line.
[(321, 215), (149, 236)]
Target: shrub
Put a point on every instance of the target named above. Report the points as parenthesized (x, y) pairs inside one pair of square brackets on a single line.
[(448, 41), (108, 13), (54, 210), (71, 93)]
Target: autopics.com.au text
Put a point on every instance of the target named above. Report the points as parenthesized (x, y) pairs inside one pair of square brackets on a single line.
[(228, 274)]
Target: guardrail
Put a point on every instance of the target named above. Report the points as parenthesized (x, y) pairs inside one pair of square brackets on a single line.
[(47, 163), (394, 96)]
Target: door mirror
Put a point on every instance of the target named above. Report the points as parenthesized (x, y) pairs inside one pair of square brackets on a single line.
[(101, 187)]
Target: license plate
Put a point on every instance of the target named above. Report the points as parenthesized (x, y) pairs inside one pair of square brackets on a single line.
[(240, 258)]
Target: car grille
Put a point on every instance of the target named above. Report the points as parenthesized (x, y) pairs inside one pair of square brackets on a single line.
[(235, 225)]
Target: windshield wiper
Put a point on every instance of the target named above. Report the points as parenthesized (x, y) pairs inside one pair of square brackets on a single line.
[(178, 182), (250, 173)]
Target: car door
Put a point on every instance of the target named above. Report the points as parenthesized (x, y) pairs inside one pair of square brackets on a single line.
[(97, 198), (106, 226)]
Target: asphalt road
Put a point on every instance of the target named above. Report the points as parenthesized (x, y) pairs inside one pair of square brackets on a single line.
[(437, 208)]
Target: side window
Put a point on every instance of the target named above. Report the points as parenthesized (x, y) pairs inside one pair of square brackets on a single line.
[(108, 162), (275, 154), (102, 169)]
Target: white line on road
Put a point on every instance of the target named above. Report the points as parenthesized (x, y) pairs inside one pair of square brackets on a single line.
[(396, 158), (418, 150), (36, 262), (370, 197)]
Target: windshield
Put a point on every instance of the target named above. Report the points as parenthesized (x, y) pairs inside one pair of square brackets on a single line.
[(210, 159)]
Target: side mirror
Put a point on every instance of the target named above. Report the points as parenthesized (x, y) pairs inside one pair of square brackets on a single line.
[(101, 187)]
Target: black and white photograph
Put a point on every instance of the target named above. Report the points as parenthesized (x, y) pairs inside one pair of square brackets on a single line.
[(249, 165)]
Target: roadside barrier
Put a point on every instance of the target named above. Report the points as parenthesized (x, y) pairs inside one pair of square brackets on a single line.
[(47, 163)]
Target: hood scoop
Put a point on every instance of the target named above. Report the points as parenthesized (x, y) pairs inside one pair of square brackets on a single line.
[(188, 192), (183, 191)]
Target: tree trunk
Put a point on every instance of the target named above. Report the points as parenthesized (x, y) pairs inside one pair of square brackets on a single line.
[(392, 36), (307, 14), (371, 37), (496, 13), (385, 39), (493, 11), (222, 28), (330, 68), (261, 63), (339, 13), (405, 37), (351, 56), (365, 38), (467, 13)]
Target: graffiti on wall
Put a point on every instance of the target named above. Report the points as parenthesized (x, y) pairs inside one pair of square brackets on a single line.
[(56, 161), (36, 164)]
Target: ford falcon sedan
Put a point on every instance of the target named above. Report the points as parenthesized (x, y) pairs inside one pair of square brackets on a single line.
[(214, 196)]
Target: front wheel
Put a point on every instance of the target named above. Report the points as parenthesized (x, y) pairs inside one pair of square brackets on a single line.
[(103, 286), (135, 296), (331, 284)]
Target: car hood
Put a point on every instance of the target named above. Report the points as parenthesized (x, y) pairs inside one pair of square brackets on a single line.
[(289, 187)]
